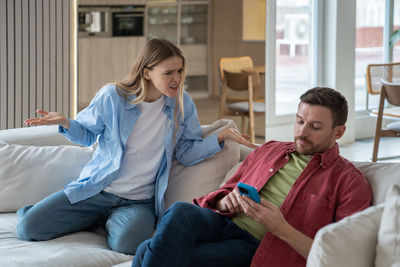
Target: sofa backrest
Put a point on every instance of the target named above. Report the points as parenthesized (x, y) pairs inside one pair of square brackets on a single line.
[(381, 176), (37, 163), (33, 144), (36, 136)]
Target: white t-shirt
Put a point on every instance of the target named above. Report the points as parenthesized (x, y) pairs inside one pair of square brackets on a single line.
[(144, 151)]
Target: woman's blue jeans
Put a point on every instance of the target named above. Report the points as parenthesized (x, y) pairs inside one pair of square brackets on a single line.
[(127, 222), (189, 235)]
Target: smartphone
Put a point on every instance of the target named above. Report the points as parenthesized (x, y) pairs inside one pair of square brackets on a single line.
[(248, 190)]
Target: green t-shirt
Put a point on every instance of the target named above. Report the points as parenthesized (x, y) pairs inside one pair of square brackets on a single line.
[(275, 191)]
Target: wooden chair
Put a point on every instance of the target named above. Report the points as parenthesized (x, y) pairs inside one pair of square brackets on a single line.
[(235, 64), (242, 81), (389, 72), (391, 93), (229, 95)]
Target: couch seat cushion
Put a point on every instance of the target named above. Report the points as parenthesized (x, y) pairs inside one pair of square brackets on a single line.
[(79, 249)]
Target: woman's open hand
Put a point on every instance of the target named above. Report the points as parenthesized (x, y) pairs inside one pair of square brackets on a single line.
[(49, 118), (236, 136)]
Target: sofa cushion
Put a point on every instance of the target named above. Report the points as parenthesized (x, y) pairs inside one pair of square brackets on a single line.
[(78, 249), (186, 183), (124, 264), (30, 173), (381, 176), (230, 173), (349, 242), (388, 248)]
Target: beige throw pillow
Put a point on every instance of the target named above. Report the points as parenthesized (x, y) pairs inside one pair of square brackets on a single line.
[(230, 173), (186, 183)]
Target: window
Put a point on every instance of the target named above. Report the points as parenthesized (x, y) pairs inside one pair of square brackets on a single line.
[(370, 20), (293, 53), (396, 25)]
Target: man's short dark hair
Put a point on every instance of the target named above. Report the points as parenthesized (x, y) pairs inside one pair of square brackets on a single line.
[(330, 98)]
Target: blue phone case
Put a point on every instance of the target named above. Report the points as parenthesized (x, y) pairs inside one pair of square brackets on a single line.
[(248, 190)]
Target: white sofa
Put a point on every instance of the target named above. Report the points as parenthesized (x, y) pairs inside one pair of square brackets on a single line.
[(36, 161)]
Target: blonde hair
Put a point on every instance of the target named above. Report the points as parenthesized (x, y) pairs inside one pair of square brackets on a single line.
[(154, 52)]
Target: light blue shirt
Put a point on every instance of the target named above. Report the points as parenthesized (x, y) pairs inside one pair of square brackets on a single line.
[(110, 119)]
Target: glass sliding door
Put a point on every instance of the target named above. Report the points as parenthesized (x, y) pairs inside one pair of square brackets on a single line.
[(370, 20), (396, 25), (293, 53)]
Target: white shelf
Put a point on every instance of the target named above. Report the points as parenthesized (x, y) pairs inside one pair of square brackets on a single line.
[(191, 35)]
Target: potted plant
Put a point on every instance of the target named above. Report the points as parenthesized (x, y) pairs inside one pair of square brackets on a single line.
[(395, 37)]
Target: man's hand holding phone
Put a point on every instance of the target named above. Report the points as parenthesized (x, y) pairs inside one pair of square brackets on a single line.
[(250, 191)]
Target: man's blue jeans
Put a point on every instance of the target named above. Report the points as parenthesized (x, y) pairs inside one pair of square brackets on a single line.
[(189, 235), (127, 222)]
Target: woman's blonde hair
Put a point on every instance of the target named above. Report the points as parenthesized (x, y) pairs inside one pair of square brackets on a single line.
[(154, 52)]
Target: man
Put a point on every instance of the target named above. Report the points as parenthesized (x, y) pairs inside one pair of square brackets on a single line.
[(304, 185)]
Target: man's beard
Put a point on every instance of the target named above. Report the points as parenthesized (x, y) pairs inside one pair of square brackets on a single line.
[(310, 150)]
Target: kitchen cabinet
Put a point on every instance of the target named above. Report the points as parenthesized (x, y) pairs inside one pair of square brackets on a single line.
[(111, 3), (184, 23), (103, 60)]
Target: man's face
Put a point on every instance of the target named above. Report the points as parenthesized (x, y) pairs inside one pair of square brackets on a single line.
[(313, 132)]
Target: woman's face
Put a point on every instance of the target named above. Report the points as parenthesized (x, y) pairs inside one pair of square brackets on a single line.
[(164, 78)]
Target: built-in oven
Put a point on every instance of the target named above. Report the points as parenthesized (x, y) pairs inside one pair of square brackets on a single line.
[(127, 20)]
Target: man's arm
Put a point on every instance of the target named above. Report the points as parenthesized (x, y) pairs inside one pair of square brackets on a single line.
[(213, 200), (271, 217)]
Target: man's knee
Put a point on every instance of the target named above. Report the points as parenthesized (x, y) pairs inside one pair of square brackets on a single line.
[(140, 252), (181, 209)]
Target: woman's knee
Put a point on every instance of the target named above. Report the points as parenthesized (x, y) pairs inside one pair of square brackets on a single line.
[(125, 236), (125, 239), (126, 244), (26, 226), (33, 221)]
